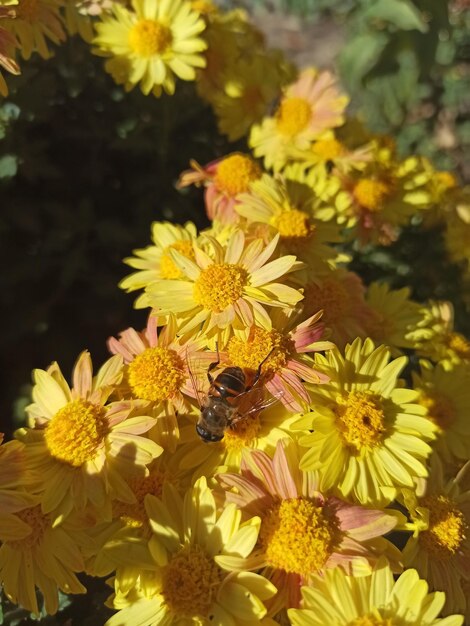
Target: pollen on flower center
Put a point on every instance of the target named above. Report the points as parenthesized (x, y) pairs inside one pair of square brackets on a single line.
[(360, 420), (293, 224), (190, 582), (134, 515), (372, 619), (260, 343), (235, 173), (293, 115), (156, 374), (220, 285), (330, 296), (299, 535), (328, 149), (168, 268), (38, 522), (448, 527), (243, 433), (440, 408), (371, 193), (149, 37), (459, 344), (76, 432)]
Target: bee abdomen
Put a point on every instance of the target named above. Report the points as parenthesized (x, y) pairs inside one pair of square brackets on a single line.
[(230, 382)]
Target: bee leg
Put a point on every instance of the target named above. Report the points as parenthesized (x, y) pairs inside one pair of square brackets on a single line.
[(258, 371), (213, 365)]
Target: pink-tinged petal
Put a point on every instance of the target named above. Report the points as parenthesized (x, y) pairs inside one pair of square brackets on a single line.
[(362, 523), (285, 483), (248, 490), (195, 176), (82, 376), (277, 387), (211, 199), (132, 340), (235, 247), (116, 347), (307, 373), (244, 312), (261, 259), (260, 465), (119, 411), (291, 379), (152, 330)]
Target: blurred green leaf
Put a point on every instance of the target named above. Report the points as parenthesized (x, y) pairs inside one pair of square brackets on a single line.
[(360, 55), (402, 14), (8, 166)]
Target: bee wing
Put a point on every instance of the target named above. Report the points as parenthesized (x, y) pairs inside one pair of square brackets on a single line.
[(198, 376), (259, 404)]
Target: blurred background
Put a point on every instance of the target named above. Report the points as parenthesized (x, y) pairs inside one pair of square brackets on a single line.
[(85, 168)]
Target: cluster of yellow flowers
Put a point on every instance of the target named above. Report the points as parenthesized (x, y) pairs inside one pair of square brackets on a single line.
[(262, 494)]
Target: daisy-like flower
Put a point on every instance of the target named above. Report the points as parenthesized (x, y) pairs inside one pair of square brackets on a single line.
[(157, 372), (309, 107), (341, 296), (229, 289), (151, 44), (36, 22), (304, 531), (393, 316), (77, 21), (204, 556), (287, 208), (440, 545), (283, 351), (377, 599), (155, 262), (36, 553), (224, 180), (82, 446), (369, 434), (8, 43), (436, 337), (445, 392)]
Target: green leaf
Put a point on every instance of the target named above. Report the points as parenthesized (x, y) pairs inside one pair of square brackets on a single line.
[(401, 13), (360, 55), (8, 166)]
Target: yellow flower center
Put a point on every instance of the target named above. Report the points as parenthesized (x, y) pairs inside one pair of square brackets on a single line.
[(440, 408), (219, 286), (190, 583), (299, 535), (293, 115), (76, 432), (156, 374), (447, 530), (328, 149), (235, 173), (445, 180), (38, 522), (260, 343), (371, 193), (330, 296), (168, 268), (27, 10), (459, 344), (149, 38), (134, 515), (293, 224), (372, 619), (243, 434), (360, 420)]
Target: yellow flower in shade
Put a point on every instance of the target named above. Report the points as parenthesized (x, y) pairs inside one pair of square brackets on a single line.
[(35, 553), (287, 208), (369, 434), (84, 447), (229, 289), (393, 316), (8, 43), (444, 390), (151, 44), (158, 373), (457, 227), (77, 22), (309, 107), (36, 22), (374, 600), (203, 556), (440, 545), (155, 262), (436, 337), (340, 295), (224, 181), (304, 531)]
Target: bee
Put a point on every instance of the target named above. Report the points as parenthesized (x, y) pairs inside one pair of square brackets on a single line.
[(233, 395)]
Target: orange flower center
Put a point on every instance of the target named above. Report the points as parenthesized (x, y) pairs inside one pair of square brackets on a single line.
[(293, 116), (447, 530), (235, 173), (156, 374), (459, 344), (148, 38), (219, 286), (360, 420), (328, 149), (371, 194), (293, 224), (260, 343)]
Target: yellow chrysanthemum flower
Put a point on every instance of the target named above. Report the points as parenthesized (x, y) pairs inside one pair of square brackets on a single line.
[(440, 545), (309, 107), (83, 447), (288, 208), (155, 262), (203, 556), (375, 600), (36, 22), (36, 553), (445, 392), (229, 289), (436, 338), (158, 40), (8, 44), (369, 435)]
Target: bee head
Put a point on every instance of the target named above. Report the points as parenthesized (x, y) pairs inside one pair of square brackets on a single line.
[(207, 436)]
